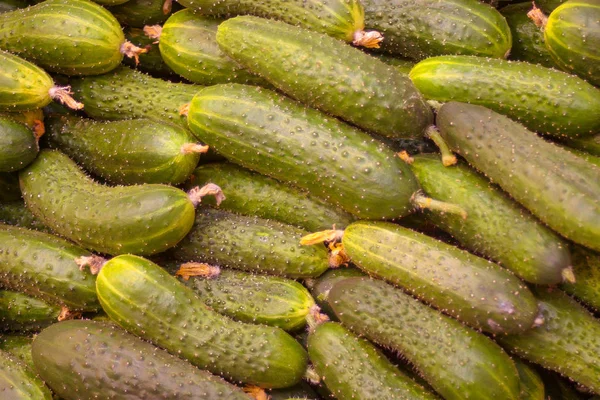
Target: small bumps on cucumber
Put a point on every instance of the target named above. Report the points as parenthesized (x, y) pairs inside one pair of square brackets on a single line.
[(589, 144), (138, 13), (20, 312), (16, 213), (17, 382), (586, 266), (18, 145)]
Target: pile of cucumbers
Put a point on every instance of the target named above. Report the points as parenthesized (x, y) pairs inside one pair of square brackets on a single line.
[(291, 199)]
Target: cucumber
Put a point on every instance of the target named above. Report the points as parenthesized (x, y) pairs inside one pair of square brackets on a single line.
[(582, 154), (18, 145), (536, 96), (19, 312), (558, 388), (327, 74), (11, 5), (17, 382), (252, 244), (299, 391), (401, 64), (252, 194), (16, 213), (447, 27), (148, 302), (127, 152), (586, 265), (9, 187), (108, 3), (321, 286), (558, 187), (567, 342), (275, 136), (143, 219), (18, 346), (590, 144), (150, 62), (536, 254), (456, 361), (532, 386), (138, 13)]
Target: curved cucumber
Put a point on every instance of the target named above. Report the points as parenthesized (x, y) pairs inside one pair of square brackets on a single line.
[(18, 145), (536, 96), (586, 266), (64, 352), (19, 312), (456, 361), (151, 62), (16, 213), (143, 219), (532, 386), (138, 13), (148, 302), (17, 382), (558, 187), (327, 74)]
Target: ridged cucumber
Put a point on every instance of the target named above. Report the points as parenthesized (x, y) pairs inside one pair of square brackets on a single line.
[(16, 213), (138, 13), (586, 265), (17, 382), (536, 96), (558, 187), (532, 386), (456, 361), (151, 62), (18, 145), (148, 302), (20, 312), (327, 74)]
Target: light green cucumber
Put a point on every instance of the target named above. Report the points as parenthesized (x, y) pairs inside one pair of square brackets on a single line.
[(582, 154), (18, 145), (138, 13), (18, 346), (17, 382), (532, 386), (16, 213), (586, 266), (20, 312)]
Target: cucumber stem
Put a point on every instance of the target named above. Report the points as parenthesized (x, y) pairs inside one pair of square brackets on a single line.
[(423, 202), (167, 7), (255, 392), (190, 269), (94, 262), (447, 157), (184, 109), (315, 317), (538, 17), (568, 275), (38, 129), (193, 148), (404, 156), (66, 314), (210, 189), (312, 376), (337, 255), (329, 235), (153, 32), (370, 39), (63, 94), (132, 51)]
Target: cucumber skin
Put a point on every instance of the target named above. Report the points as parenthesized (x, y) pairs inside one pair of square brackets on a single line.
[(321, 286), (433, 343), (586, 266), (252, 194), (327, 74), (149, 303), (537, 97), (23, 85), (18, 346), (72, 37), (151, 62), (43, 266), (536, 254), (125, 152), (352, 368), (139, 13), (252, 244), (275, 136), (17, 214), (532, 386), (18, 145), (17, 382), (448, 27), (558, 187), (19, 312), (143, 219), (589, 144), (9, 187)]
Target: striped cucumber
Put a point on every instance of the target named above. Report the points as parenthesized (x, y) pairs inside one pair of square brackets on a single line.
[(18, 145), (586, 265), (138, 13), (17, 382), (20, 312), (327, 74), (536, 96), (532, 386), (458, 362), (148, 302), (16, 213)]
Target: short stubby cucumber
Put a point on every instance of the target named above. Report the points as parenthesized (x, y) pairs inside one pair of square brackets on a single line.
[(532, 386), (458, 362), (586, 266), (148, 302), (141, 219), (536, 254), (16, 213), (18, 145), (127, 152), (275, 136), (138, 13), (558, 187), (327, 74), (253, 244), (20, 312), (17, 382), (85, 360), (536, 96), (321, 286)]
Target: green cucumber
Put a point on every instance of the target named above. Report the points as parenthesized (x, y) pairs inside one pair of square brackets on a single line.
[(589, 144), (17, 382), (536, 254), (20, 312), (138, 13), (127, 152), (447, 27), (458, 362), (586, 265), (275, 136), (9, 187), (18, 346), (567, 342), (558, 187), (532, 386), (300, 391), (108, 3), (148, 302), (150, 62), (11, 5), (90, 360), (253, 244), (549, 5), (582, 154), (352, 368), (327, 74), (558, 388), (536, 96), (16, 213), (142, 219), (400, 64), (321, 286), (18, 145)]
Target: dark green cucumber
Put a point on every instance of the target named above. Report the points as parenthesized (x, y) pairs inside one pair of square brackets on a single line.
[(16, 213), (558, 187), (300, 391), (353, 368), (127, 152), (586, 266), (458, 362), (536, 96), (559, 388), (321, 286), (11, 5), (589, 144), (17, 382), (401, 64), (447, 27), (253, 244), (148, 302), (20, 312), (138, 13), (18, 145), (150, 62), (536, 254), (84, 360), (327, 74), (9, 187), (275, 136), (532, 386), (18, 346), (549, 5), (252, 194), (567, 342)]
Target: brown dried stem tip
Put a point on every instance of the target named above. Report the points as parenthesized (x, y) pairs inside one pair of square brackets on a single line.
[(256, 393), (404, 156), (332, 238), (66, 314), (153, 32), (63, 94), (38, 129), (94, 262), (370, 40), (538, 17), (315, 317), (167, 7), (419, 200), (193, 148), (132, 51), (190, 269), (448, 158), (197, 193), (184, 109)]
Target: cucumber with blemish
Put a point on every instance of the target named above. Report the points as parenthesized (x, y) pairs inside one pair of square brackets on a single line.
[(586, 266), (17, 382), (18, 145), (20, 312)]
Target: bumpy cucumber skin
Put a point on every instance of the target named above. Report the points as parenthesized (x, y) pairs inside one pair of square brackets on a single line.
[(321, 286), (558, 187), (126, 152), (532, 386), (150, 62), (71, 37), (252, 194), (9, 187), (327, 74), (18, 145), (456, 361), (19, 312), (275, 136), (582, 154), (400, 64), (352, 368), (16, 213), (17, 382), (148, 302), (536, 254), (448, 27), (589, 145), (23, 85), (536, 96), (300, 391), (568, 342), (142, 219), (252, 244), (44, 266), (586, 266), (138, 13), (18, 346)]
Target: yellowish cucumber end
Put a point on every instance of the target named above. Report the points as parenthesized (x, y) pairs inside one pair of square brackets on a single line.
[(132, 51), (329, 235), (190, 269), (568, 275), (369, 40), (538, 17), (448, 158), (193, 148), (311, 376), (63, 94), (94, 262), (197, 193)]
